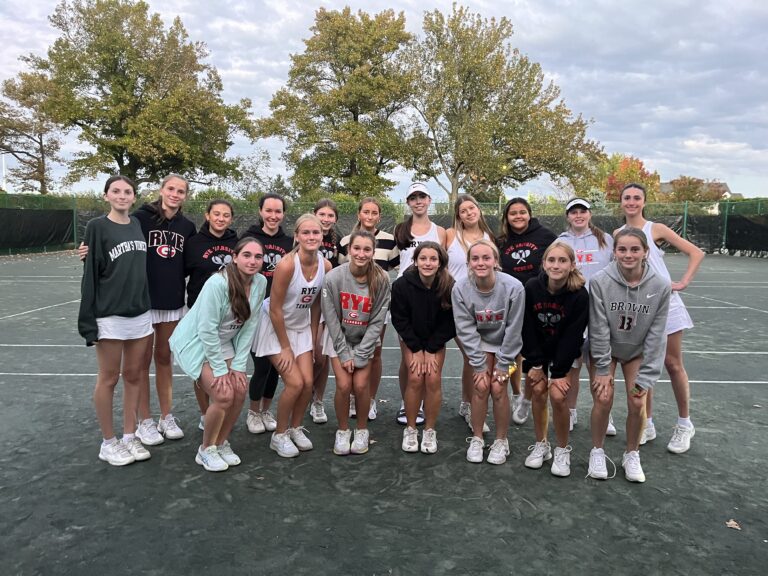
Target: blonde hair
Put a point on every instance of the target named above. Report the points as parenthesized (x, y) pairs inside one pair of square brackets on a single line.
[(494, 249), (301, 220), (458, 225), (575, 280)]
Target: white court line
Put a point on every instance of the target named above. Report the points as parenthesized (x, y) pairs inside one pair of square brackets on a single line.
[(451, 348), (714, 307), (22, 276), (93, 375), (725, 302), (38, 309)]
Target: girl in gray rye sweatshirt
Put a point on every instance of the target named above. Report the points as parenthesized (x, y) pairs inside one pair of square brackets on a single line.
[(488, 312), (627, 319)]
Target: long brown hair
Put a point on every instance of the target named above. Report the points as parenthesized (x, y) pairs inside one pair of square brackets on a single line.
[(458, 225), (328, 203), (596, 231), (575, 280), (443, 280), (237, 289), (505, 228), (375, 276), (363, 202)]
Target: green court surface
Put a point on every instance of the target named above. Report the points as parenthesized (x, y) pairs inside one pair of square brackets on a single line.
[(387, 512)]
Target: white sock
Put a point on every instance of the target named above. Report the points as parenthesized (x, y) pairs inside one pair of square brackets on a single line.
[(108, 441), (649, 422), (685, 422), (128, 438)]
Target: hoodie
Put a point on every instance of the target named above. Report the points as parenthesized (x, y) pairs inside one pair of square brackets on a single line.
[(626, 322), (494, 318), (554, 324), (590, 258), (418, 316), (204, 255), (521, 254), (275, 247), (166, 243), (353, 320)]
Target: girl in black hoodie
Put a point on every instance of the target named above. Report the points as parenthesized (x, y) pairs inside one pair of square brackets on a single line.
[(277, 244), (423, 317), (206, 253), (556, 315), (521, 243)]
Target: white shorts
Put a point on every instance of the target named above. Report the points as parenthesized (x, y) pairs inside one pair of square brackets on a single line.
[(678, 318), (266, 343), (124, 328), (328, 349), (160, 316)]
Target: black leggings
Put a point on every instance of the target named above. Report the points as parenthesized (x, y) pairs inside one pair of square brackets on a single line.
[(263, 380)]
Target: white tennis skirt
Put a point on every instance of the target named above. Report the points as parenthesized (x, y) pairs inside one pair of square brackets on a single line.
[(266, 343), (160, 316), (678, 318), (124, 328)]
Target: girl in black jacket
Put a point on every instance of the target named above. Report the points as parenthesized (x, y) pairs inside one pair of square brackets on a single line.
[(556, 316), (423, 317)]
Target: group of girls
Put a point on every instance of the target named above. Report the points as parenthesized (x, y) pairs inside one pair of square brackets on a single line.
[(331, 301)]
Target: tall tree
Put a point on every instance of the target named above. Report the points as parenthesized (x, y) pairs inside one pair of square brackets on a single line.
[(27, 133), (488, 120), (137, 93), (689, 188), (338, 111)]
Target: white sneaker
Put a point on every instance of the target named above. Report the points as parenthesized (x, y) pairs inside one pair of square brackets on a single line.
[(561, 463), (270, 424), (475, 450), (499, 451), (410, 440), (169, 428), (468, 418), (522, 411), (611, 430), (148, 434), (681, 439), (597, 466), (281, 443), (210, 459), (317, 411), (116, 453), (373, 411), (352, 408), (201, 423), (632, 469), (429, 441), (137, 450), (341, 445), (538, 453), (574, 419), (227, 454), (649, 433), (255, 423), (299, 438), (464, 407), (360, 441)]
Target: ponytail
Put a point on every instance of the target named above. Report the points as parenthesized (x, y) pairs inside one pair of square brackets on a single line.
[(599, 234), (403, 235)]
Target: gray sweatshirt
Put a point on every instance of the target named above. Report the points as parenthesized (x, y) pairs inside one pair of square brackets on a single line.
[(590, 258), (353, 321), (625, 322), (489, 320)]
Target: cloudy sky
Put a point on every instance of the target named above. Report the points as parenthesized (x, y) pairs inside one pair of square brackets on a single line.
[(681, 84)]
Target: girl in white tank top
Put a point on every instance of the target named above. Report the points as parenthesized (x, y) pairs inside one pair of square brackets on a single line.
[(632, 205), (294, 311)]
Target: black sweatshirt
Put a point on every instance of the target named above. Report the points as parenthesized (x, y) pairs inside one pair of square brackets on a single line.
[(204, 255), (275, 247), (553, 326), (165, 256), (418, 316), (329, 248), (521, 254), (115, 277)]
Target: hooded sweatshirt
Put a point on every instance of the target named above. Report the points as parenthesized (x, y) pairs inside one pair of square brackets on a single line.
[(329, 248), (275, 247), (166, 243), (553, 329), (521, 254), (353, 320), (418, 316), (590, 258), (493, 318), (626, 322), (204, 255)]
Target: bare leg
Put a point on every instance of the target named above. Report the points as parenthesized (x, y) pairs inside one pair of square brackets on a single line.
[(635, 405), (414, 388), (560, 415), (539, 408), (601, 409), (433, 394), (343, 390), (361, 384), (677, 374), (222, 398), (573, 391), (133, 376), (375, 372), (108, 355), (304, 361), (164, 367), (320, 375)]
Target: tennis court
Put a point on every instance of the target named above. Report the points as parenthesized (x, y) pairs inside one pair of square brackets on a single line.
[(386, 512)]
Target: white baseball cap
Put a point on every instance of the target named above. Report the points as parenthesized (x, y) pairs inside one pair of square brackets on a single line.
[(417, 188), (573, 202)]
